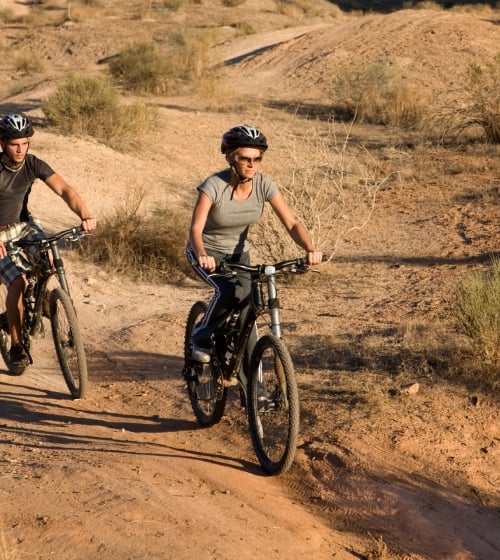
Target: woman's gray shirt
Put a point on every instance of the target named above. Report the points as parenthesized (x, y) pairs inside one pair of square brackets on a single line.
[(229, 220)]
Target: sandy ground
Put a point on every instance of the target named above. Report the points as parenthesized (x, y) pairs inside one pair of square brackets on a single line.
[(127, 472)]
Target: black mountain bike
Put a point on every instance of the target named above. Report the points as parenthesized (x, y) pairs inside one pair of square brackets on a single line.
[(55, 303), (268, 388)]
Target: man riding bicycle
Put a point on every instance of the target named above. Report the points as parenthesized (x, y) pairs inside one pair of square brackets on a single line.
[(18, 172)]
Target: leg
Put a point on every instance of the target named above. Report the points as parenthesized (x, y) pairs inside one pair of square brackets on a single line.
[(14, 308)]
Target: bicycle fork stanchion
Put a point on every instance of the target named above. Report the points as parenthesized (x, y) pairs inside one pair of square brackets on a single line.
[(59, 266), (273, 302)]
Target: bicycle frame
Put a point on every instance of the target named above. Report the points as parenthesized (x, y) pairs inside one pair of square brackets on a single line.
[(48, 264), (261, 275)]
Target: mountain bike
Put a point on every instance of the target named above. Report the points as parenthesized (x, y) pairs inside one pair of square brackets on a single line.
[(40, 300), (268, 388)]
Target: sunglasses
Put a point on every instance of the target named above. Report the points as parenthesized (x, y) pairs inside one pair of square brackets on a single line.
[(245, 160)]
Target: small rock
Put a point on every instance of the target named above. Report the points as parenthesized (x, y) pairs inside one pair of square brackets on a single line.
[(410, 389)]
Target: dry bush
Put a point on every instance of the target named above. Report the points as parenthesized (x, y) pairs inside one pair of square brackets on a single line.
[(375, 93), (92, 106), (183, 62), (331, 188), (476, 111), (477, 313), (29, 62), (143, 68), (146, 248)]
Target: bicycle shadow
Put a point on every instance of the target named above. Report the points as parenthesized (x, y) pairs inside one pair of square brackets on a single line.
[(34, 416)]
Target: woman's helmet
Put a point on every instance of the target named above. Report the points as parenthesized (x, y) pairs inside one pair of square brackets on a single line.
[(16, 126), (243, 136)]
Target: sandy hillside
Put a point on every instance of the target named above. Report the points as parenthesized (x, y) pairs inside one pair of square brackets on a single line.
[(127, 473)]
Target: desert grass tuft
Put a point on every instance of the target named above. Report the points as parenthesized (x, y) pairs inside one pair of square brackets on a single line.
[(477, 313), (143, 247), (376, 93), (476, 111)]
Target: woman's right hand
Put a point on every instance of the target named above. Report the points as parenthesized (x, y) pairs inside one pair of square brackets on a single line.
[(206, 262)]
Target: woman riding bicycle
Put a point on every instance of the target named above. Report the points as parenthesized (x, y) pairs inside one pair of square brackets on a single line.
[(228, 203)]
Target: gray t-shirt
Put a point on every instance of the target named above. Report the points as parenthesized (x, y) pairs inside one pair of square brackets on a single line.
[(15, 187), (229, 220)]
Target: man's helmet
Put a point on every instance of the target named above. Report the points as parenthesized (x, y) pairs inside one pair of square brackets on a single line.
[(16, 126), (243, 136)]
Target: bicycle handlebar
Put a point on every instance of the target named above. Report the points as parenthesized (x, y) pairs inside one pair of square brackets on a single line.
[(297, 266), (75, 231)]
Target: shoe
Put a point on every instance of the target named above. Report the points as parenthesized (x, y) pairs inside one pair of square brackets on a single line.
[(18, 359), (200, 354)]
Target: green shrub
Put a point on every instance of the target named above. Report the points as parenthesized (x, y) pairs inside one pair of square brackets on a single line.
[(91, 106), (477, 312)]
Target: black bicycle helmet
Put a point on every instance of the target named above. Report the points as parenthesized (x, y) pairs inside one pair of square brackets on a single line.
[(16, 126), (243, 136)]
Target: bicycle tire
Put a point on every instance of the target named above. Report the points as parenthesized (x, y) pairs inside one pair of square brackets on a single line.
[(274, 421), (68, 342), (205, 386)]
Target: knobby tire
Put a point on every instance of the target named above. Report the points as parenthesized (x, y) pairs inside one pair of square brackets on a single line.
[(274, 428), (68, 342), (204, 385)]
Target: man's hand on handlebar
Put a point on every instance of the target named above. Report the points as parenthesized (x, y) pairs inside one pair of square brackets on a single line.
[(314, 257), (89, 224)]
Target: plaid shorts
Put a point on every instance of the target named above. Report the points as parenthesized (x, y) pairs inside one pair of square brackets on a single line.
[(11, 267)]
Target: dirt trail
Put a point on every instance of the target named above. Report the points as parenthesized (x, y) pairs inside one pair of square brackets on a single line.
[(127, 473)]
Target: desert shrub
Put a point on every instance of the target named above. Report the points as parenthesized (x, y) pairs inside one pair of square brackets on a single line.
[(182, 61), (144, 247), (375, 93), (479, 107), (91, 106), (142, 68), (477, 312), (331, 187), (29, 62)]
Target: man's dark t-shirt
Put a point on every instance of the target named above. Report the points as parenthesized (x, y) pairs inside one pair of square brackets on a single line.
[(15, 187)]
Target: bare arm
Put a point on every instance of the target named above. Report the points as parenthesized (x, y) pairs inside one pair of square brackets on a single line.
[(72, 199), (198, 221), (295, 228)]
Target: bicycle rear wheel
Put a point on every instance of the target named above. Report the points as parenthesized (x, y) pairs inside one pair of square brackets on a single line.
[(68, 342), (205, 386), (273, 405)]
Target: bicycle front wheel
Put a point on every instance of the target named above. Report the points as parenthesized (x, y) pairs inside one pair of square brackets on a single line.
[(205, 386), (273, 405), (68, 342)]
